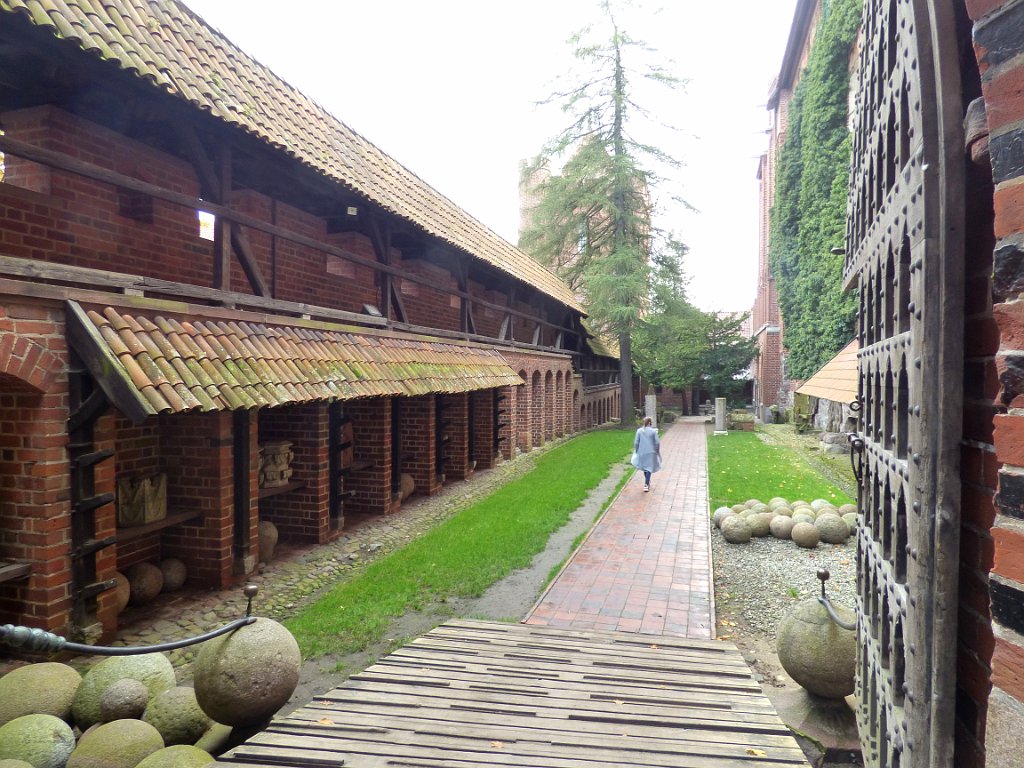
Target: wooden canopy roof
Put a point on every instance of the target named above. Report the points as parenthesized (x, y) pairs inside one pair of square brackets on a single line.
[(837, 379)]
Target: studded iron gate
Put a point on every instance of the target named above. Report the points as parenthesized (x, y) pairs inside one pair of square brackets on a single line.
[(904, 252)]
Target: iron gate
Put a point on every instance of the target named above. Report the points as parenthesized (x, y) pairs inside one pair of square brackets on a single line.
[(904, 252)]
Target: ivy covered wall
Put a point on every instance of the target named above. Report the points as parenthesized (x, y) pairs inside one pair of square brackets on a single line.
[(808, 219)]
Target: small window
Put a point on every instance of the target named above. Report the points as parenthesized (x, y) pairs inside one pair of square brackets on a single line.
[(207, 222)]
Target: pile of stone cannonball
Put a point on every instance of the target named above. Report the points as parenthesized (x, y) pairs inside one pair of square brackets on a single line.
[(130, 712), (806, 524)]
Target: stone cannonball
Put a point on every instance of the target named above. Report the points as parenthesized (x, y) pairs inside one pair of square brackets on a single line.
[(177, 716), (760, 507), (749, 503), (816, 652), (774, 500), (832, 528), (846, 509), (760, 524), (818, 504), (123, 591), (850, 518), (736, 530), (802, 517), (10, 762), (175, 572), (799, 503), (268, 540), (47, 688), (243, 678), (178, 756), (120, 744), (124, 700), (151, 669), (43, 741), (145, 580), (805, 535), (781, 526), (739, 508), (719, 514)]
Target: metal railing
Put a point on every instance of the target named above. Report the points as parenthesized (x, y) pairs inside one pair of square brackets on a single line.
[(29, 639)]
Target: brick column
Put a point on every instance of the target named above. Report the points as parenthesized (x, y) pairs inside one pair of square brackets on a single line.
[(482, 415), (198, 450), (371, 439), (455, 417), (416, 442), (303, 514)]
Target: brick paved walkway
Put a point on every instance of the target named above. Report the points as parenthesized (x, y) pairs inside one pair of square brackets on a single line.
[(646, 566)]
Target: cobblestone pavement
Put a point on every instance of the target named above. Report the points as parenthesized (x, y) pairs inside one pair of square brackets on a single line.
[(298, 575)]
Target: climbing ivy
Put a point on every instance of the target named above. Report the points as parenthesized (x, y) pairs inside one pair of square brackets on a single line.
[(808, 218)]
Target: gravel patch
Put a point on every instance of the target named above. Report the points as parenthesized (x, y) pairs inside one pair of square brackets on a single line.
[(757, 583)]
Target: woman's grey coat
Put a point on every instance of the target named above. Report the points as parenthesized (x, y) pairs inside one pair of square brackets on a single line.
[(646, 445)]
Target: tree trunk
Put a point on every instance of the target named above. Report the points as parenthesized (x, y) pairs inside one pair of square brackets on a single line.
[(626, 419)]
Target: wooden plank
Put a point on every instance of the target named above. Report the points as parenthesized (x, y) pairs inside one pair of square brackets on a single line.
[(138, 531), (12, 570), (486, 694)]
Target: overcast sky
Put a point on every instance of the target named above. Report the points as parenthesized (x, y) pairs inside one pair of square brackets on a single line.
[(448, 88)]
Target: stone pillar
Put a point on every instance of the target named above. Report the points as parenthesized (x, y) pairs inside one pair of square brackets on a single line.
[(651, 406), (720, 416)]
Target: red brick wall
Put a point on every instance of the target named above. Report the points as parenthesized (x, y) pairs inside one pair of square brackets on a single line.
[(303, 514), (416, 433), (80, 223), (482, 404), (371, 436), (992, 580), (454, 414), (34, 501), (198, 450)]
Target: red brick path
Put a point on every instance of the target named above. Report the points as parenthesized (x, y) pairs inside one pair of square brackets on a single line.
[(646, 566)]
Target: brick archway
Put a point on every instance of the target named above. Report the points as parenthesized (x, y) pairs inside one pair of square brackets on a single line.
[(27, 362)]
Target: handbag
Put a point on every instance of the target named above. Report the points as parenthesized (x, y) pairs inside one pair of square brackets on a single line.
[(635, 460)]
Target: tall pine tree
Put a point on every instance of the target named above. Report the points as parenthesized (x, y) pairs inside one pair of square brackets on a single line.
[(592, 223)]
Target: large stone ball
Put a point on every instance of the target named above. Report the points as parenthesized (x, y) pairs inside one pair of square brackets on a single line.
[(774, 500), (123, 591), (760, 524), (719, 514), (760, 507), (38, 689), (177, 715), (268, 540), (833, 529), (145, 580), (9, 762), (846, 509), (736, 530), (802, 517), (175, 572), (406, 485), (781, 526), (749, 503), (151, 669), (816, 652), (818, 504), (243, 678), (805, 535), (850, 518), (799, 503), (738, 508), (217, 740), (126, 699), (179, 756), (120, 744), (43, 741)]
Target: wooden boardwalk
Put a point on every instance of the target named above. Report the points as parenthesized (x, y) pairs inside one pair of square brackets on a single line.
[(481, 693)]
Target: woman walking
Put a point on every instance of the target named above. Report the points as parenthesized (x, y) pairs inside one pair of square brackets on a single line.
[(647, 451)]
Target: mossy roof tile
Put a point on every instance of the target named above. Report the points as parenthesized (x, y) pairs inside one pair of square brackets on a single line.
[(233, 365)]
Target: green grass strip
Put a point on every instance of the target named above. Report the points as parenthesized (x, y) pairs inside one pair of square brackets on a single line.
[(741, 467), (464, 555)]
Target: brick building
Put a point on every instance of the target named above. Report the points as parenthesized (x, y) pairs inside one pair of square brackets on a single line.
[(771, 386), (198, 265)]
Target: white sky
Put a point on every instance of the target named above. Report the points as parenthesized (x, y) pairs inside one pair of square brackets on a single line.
[(448, 87)]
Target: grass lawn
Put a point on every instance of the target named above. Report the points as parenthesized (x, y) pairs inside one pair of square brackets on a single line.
[(741, 466), (464, 555)]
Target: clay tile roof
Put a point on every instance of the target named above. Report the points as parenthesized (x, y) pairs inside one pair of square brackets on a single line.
[(837, 379), (173, 49), (249, 364)]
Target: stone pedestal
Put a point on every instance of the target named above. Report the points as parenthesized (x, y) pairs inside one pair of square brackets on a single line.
[(720, 416), (831, 724), (651, 408)]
